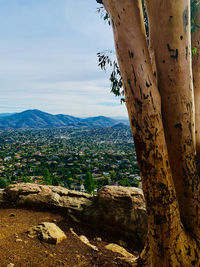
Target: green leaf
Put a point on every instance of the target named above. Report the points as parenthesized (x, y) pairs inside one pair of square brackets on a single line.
[(194, 50)]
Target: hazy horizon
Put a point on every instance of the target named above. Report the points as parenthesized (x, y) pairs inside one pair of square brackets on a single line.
[(48, 58)]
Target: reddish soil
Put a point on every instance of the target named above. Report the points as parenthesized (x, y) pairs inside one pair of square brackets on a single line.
[(17, 248)]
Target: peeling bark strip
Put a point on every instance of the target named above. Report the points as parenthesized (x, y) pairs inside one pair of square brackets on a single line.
[(168, 243)]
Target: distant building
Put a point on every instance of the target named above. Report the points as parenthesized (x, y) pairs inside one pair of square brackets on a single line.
[(7, 158), (82, 188), (98, 176)]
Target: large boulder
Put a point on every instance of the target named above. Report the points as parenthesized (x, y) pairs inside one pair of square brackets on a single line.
[(122, 209)]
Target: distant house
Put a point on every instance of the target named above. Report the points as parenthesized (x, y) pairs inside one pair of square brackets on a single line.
[(32, 160), (7, 158), (18, 165), (114, 166), (38, 153), (97, 176)]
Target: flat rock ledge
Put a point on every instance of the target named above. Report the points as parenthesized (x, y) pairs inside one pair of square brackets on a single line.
[(27, 194), (118, 209)]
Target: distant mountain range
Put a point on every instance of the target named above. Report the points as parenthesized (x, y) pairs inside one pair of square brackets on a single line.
[(39, 119)]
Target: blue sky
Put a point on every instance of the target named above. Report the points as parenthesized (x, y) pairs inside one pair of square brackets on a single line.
[(48, 58)]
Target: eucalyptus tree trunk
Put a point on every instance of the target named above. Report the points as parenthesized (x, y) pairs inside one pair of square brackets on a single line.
[(161, 114), (172, 47)]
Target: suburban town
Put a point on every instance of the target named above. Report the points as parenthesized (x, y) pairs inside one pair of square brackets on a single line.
[(82, 159)]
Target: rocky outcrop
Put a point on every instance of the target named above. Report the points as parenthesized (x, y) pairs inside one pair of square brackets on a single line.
[(115, 208), (27, 194), (47, 232)]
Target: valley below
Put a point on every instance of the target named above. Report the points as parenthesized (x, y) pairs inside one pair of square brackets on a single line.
[(77, 158)]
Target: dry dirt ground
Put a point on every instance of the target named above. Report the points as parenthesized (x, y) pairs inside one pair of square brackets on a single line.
[(17, 248)]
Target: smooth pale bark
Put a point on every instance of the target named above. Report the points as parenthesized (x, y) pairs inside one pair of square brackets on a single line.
[(196, 80), (167, 240), (171, 39)]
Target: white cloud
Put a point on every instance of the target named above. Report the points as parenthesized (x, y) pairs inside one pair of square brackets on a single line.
[(83, 99)]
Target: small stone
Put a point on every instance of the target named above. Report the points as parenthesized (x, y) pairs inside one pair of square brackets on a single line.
[(84, 240), (87, 242), (47, 232), (18, 240), (116, 248), (54, 220)]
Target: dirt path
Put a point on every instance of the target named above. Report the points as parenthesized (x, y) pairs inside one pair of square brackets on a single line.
[(17, 248)]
